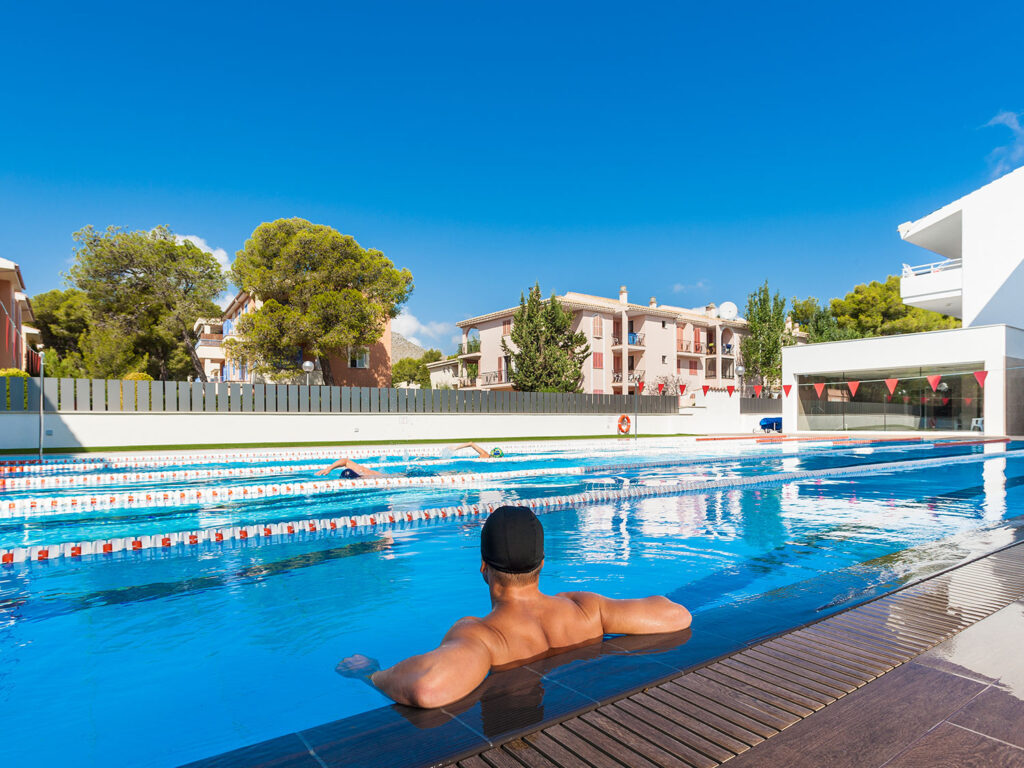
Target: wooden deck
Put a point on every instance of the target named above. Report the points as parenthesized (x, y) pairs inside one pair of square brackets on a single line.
[(804, 699)]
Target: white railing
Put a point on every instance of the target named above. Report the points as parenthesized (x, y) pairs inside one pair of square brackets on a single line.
[(935, 266)]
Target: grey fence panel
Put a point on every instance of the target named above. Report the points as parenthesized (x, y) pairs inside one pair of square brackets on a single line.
[(98, 401), (461, 402), (314, 399), (229, 398), (415, 400), (259, 398), (344, 399), (142, 392), (51, 391), (434, 406), (293, 399), (304, 397), (16, 392), (183, 402), (360, 399), (335, 399), (389, 400), (67, 395), (209, 397), (270, 398), (156, 396), (423, 400), (355, 400), (113, 395), (127, 395), (243, 393), (32, 385), (378, 400), (81, 394)]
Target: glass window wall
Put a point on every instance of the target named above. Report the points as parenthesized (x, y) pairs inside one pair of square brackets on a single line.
[(957, 402)]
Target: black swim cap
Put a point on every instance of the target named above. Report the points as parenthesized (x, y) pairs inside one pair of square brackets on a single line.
[(512, 540)]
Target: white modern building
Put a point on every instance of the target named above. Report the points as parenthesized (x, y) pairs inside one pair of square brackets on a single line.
[(967, 378)]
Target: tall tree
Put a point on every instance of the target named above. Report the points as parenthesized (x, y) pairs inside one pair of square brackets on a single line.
[(322, 294), (876, 309), (145, 291), (413, 370), (818, 322), (761, 350), (547, 355)]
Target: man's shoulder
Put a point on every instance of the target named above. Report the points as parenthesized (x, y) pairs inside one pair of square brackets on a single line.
[(585, 600)]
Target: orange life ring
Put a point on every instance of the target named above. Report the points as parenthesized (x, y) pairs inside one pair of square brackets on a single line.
[(623, 424)]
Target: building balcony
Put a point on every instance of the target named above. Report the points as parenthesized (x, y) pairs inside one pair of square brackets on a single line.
[(633, 377), (937, 286), (491, 378), (688, 347), (632, 340), (470, 349)]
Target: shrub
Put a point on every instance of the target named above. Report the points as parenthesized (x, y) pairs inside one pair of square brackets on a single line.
[(9, 373), (138, 376)]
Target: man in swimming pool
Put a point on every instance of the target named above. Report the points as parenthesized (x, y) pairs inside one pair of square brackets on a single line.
[(523, 624), (350, 469)]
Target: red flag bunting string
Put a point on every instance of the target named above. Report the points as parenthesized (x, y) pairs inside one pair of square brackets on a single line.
[(706, 387), (730, 389), (757, 390)]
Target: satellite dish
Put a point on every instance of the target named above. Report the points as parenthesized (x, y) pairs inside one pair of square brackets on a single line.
[(728, 310)]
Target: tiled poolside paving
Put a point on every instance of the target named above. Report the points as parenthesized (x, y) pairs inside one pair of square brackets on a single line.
[(930, 675)]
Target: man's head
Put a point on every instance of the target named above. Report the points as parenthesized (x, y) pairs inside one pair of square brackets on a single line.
[(512, 547)]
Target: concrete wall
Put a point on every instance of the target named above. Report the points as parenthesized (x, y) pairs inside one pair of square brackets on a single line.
[(70, 430), (993, 252), (984, 346), (718, 412)]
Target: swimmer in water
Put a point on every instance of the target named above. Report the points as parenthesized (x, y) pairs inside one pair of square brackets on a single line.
[(350, 469)]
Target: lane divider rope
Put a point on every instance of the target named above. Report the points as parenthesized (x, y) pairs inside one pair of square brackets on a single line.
[(275, 532)]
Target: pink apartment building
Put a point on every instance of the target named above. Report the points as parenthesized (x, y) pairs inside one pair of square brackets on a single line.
[(681, 349), (15, 311)]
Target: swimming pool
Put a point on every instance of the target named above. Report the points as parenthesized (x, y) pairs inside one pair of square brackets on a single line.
[(170, 654)]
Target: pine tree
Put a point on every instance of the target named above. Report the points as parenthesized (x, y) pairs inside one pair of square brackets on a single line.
[(547, 355)]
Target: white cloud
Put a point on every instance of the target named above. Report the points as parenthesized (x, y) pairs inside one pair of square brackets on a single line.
[(410, 326), (218, 253), (1010, 156), (224, 299), (700, 285)]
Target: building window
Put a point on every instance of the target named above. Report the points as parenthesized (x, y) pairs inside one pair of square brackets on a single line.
[(693, 367), (664, 359), (663, 324), (506, 327), (358, 358), (598, 358), (598, 327)]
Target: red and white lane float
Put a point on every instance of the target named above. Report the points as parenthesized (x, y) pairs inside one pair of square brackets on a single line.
[(270, 532)]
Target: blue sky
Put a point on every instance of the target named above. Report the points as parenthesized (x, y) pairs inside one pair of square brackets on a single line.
[(688, 150)]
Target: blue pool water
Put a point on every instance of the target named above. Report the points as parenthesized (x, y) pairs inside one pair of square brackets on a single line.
[(158, 658)]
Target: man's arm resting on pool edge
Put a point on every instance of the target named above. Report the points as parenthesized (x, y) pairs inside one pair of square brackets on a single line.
[(446, 674), (643, 616)]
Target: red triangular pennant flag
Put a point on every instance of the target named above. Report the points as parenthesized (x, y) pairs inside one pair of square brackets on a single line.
[(980, 376), (661, 387), (853, 385), (934, 381), (888, 398), (730, 389), (640, 386), (706, 387), (968, 400), (819, 388), (945, 401), (757, 390), (891, 384), (786, 388), (682, 388)]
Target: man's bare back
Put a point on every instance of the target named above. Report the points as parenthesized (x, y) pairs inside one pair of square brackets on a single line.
[(523, 624)]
